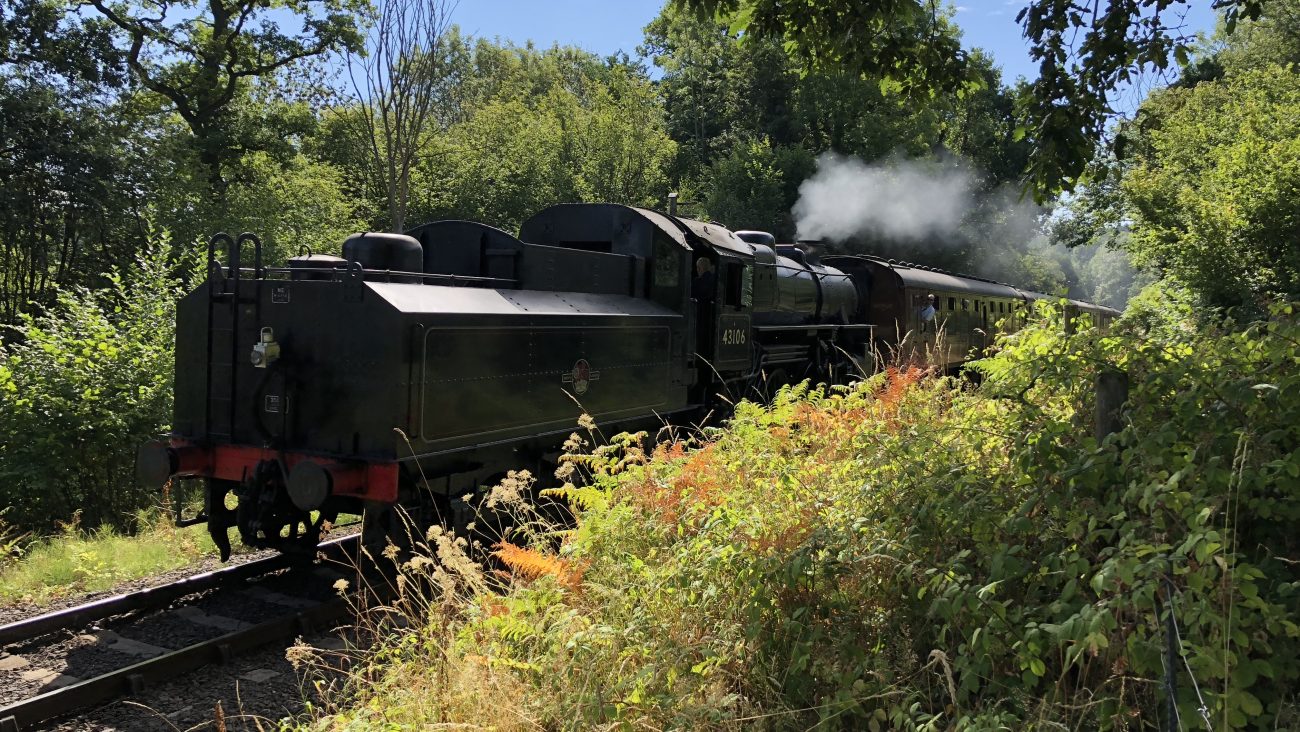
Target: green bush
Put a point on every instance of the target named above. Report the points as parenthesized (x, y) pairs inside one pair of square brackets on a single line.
[(81, 386), (909, 554)]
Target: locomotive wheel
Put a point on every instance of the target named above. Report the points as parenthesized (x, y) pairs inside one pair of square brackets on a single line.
[(267, 518)]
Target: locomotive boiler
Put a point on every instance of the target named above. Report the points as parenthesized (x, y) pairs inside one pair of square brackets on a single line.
[(415, 367)]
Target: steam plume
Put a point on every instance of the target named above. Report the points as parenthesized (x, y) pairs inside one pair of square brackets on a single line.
[(936, 213), (898, 199)]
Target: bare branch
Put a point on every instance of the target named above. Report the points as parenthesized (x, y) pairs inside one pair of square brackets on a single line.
[(397, 87)]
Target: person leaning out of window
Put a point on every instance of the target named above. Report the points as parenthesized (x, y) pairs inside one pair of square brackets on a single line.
[(928, 314)]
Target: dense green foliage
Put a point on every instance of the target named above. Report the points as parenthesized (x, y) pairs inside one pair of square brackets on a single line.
[(906, 553), (1201, 187), (528, 128), (86, 156), (63, 177), (1215, 186), (747, 118), (83, 386), (1084, 53), (202, 58)]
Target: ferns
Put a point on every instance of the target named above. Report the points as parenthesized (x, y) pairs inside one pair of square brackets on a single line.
[(530, 564), (584, 498)]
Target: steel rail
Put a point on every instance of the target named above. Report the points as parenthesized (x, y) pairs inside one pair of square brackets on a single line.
[(161, 595), (135, 678)]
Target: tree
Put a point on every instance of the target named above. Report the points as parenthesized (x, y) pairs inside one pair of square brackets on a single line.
[(620, 148), (909, 43), (43, 34), (753, 186), (65, 185), (1084, 52), (400, 86), (275, 188), (716, 92), (749, 123), (543, 127), (199, 58), (1214, 186), (1273, 40), (64, 188)]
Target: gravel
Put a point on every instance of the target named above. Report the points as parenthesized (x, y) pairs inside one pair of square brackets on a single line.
[(256, 689), (81, 656), (240, 606), (169, 630)]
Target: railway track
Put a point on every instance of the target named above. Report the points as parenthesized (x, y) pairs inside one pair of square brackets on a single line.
[(82, 657)]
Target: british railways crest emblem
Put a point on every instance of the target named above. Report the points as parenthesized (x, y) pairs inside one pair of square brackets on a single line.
[(581, 377)]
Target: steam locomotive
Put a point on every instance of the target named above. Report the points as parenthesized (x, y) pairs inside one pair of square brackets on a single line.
[(416, 367)]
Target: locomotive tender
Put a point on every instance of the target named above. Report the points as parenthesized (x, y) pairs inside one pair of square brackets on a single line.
[(416, 367)]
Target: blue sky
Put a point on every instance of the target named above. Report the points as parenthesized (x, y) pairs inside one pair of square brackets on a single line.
[(607, 26)]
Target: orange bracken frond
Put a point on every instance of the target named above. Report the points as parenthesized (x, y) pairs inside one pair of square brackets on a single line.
[(897, 383), (529, 564), (670, 450)]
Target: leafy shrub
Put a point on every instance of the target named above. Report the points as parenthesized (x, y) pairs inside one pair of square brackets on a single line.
[(12, 542), (908, 553), (80, 388)]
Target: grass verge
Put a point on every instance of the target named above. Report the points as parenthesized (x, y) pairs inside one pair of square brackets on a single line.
[(79, 561)]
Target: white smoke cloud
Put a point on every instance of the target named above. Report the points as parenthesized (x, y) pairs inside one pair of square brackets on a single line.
[(895, 199)]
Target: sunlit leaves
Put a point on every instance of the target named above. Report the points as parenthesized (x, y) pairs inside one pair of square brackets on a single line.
[(1213, 188), (79, 390)]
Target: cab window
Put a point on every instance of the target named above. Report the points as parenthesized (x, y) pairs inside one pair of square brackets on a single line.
[(739, 284)]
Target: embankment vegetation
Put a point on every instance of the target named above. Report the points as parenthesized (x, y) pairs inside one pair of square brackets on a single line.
[(909, 552)]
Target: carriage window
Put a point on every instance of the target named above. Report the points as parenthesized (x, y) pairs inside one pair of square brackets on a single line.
[(952, 303), (965, 304)]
